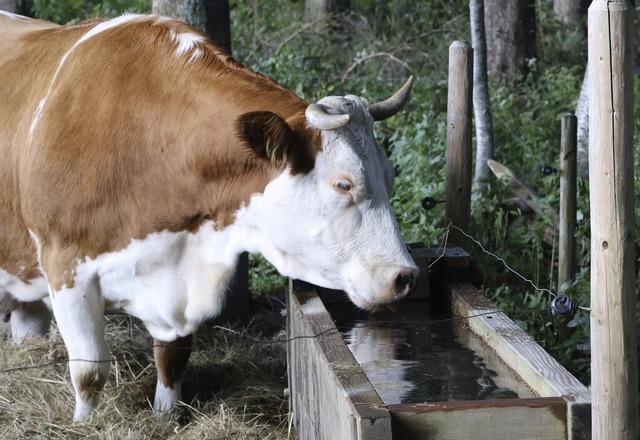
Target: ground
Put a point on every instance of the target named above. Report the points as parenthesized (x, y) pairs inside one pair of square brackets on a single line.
[(234, 386)]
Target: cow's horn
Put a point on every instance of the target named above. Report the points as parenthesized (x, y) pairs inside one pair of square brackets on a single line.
[(391, 106), (318, 117)]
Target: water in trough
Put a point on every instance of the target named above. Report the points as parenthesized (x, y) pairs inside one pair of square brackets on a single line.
[(417, 355)]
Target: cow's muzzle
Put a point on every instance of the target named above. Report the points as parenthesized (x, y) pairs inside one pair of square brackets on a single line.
[(404, 283)]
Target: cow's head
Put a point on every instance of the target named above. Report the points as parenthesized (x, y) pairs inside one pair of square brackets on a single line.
[(326, 218)]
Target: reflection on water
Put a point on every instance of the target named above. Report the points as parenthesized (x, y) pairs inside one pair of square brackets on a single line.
[(412, 356)]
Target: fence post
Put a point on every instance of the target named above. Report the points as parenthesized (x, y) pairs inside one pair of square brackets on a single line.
[(568, 196), (458, 155), (614, 362)]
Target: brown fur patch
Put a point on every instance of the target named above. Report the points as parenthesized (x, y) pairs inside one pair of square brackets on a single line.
[(171, 359), (270, 138), (90, 383)]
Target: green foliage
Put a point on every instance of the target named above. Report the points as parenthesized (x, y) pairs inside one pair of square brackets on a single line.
[(71, 11), (527, 120), (263, 277), (417, 150)]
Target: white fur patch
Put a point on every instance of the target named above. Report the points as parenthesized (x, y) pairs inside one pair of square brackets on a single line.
[(91, 33), (172, 281), (30, 320), (188, 42), (34, 290), (36, 241)]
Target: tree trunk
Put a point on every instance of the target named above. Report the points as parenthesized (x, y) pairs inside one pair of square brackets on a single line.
[(511, 37), (582, 113), (12, 6), (210, 16), (315, 10), (218, 25), (481, 102), (570, 11), (189, 11)]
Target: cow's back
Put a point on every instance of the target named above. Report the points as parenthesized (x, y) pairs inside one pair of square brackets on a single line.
[(29, 54)]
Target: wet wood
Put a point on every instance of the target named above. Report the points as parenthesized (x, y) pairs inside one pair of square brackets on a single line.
[(543, 374), (522, 419), (331, 397)]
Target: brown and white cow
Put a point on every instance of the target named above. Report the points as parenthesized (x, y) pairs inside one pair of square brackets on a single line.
[(138, 161)]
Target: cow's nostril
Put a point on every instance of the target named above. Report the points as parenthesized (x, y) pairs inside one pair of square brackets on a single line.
[(404, 284)]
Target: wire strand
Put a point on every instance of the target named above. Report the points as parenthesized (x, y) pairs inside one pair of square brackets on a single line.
[(327, 332), (509, 268)]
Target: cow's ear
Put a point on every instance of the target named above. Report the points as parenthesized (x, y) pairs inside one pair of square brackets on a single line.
[(270, 138)]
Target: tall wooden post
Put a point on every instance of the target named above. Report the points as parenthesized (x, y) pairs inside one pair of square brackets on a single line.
[(614, 361), (458, 155), (568, 196)]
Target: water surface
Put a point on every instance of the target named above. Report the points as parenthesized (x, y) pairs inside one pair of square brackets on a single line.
[(417, 355)]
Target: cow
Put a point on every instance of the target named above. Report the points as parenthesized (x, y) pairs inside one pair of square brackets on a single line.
[(139, 161)]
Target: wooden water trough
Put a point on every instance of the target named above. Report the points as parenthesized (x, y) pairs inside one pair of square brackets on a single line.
[(331, 396)]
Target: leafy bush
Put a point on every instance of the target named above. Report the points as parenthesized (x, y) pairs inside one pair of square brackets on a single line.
[(69, 11)]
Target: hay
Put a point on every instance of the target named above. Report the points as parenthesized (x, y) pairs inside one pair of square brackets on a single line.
[(233, 388)]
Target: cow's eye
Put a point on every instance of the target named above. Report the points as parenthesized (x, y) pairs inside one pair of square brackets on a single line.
[(343, 185)]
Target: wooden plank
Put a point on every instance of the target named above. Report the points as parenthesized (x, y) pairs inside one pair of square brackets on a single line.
[(448, 262), (544, 375), (331, 396), (614, 360), (508, 419)]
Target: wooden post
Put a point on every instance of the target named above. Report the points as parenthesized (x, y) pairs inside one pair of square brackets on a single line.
[(567, 224), (614, 360), (458, 156)]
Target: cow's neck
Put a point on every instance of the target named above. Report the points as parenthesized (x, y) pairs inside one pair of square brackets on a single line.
[(250, 233)]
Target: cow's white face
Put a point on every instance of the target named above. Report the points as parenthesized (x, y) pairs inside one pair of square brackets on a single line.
[(333, 226)]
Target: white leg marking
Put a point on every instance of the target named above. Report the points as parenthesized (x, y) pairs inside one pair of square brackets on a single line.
[(166, 397), (79, 314)]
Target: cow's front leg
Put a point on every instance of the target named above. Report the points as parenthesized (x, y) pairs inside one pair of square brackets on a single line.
[(171, 360), (79, 315)]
